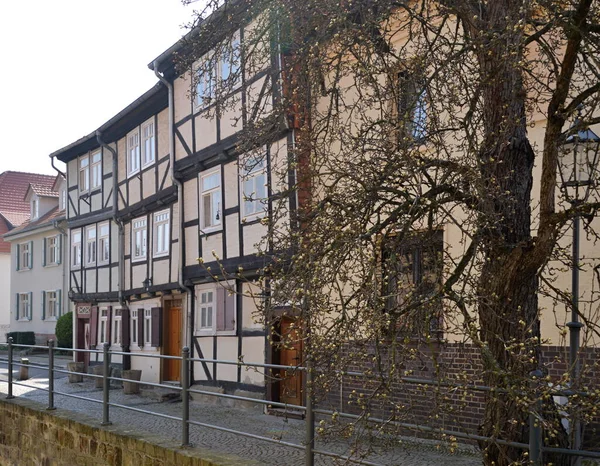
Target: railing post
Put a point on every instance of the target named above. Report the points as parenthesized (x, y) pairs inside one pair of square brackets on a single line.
[(10, 369), (185, 399), (51, 375), (535, 424), (310, 417), (105, 385)]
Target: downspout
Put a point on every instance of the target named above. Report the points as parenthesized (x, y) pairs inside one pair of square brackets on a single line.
[(179, 185), (121, 242)]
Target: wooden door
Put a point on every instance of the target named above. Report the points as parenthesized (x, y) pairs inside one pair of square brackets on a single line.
[(173, 341), (290, 354)]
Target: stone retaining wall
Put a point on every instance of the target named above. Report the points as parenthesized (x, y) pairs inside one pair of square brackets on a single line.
[(31, 435)]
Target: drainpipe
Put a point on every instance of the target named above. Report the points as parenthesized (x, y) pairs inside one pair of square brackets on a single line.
[(121, 242), (180, 200)]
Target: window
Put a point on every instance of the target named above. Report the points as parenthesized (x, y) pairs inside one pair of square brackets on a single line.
[(134, 327), (52, 250), (148, 145), (133, 152), (51, 305), (103, 243), (35, 209), (411, 108), (412, 272), (205, 83), (25, 255), (23, 306), (230, 62), (147, 327), (103, 326), (210, 201), (138, 239), (76, 248), (161, 233), (254, 190), (84, 174), (216, 310), (96, 169), (63, 199), (90, 245), (116, 331)]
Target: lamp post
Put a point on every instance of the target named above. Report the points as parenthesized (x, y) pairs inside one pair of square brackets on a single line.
[(577, 165)]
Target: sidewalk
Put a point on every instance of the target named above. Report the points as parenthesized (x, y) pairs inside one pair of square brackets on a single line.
[(253, 421)]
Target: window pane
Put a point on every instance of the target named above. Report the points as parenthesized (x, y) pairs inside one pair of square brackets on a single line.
[(216, 208), (211, 181), (206, 210)]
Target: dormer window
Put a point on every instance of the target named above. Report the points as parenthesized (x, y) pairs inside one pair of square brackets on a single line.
[(35, 209)]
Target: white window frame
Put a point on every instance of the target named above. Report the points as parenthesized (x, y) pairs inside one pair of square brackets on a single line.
[(134, 328), (91, 245), (51, 305), (139, 225), (103, 240), (50, 248), (84, 170), (96, 170), (211, 192), (24, 307), (76, 249), (206, 81), (117, 328), (251, 171), (133, 144), (161, 233), (103, 326), (203, 306), (24, 252), (35, 208), (147, 328), (148, 143), (63, 199), (231, 60)]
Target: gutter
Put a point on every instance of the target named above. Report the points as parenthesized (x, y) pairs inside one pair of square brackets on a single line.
[(179, 185), (121, 242)]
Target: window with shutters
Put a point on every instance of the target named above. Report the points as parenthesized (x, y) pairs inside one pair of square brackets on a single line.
[(210, 201), (103, 243), (254, 187), (90, 245), (216, 309), (76, 248), (134, 327), (96, 170), (51, 305), (117, 327), (133, 152), (52, 250), (103, 336), (24, 306), (161, 233), (139, 237), (148, 143), (147, 327), (411, 108), (84, 174), (25, 255)]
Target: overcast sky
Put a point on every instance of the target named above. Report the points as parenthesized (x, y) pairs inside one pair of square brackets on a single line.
[(67, 66)]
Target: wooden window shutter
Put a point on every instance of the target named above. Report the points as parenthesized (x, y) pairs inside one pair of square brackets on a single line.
[(94, 327), (125, 326), (155, 339), (140, 325), (31, 255), (17, 307), (220, 305), (44, 302), (109, 318), (44, 251), (229, 310), (30, 309), (59, 247), (18, 249), (59, 303)]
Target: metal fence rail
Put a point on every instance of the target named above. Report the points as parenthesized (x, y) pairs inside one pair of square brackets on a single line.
[(534, 447)]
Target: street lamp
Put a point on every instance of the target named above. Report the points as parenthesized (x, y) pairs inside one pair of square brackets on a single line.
[(577, 163)]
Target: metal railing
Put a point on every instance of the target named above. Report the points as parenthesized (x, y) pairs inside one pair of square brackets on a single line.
[(534, 447)]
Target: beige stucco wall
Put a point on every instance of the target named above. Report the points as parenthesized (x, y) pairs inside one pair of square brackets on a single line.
[(5, 309)]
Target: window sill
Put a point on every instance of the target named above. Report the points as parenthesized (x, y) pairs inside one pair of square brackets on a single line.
[(50, 319), (24, 270), (23, 320), (138, 259), (102, 263), (215, 333), (53, 264), (149, 164), (211, 230), (159, 255), (129, 175)]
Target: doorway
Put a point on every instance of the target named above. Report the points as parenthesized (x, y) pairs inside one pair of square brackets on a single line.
[(173, 341), (290, 354)]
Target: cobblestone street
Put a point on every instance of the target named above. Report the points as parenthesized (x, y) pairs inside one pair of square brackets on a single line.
[(251, 420)]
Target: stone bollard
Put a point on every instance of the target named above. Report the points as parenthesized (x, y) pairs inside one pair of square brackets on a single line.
[(77, 368), (99, 370), (24, 370), (132, 388)]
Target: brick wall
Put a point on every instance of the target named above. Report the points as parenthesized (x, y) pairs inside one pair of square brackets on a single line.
[(31, 435)]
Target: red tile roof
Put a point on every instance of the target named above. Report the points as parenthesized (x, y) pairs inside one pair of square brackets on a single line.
[(46, 219), (43, 191)]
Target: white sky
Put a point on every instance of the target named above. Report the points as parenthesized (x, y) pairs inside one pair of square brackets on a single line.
[(67, 66)]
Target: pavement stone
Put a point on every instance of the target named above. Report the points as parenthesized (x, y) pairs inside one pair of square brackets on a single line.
[(251, 421)]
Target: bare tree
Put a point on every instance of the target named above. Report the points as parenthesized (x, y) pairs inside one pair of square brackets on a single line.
[(421, 130)]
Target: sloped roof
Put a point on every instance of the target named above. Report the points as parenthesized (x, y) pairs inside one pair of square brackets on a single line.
[(13, 188), (43, 191), (47, 219)]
